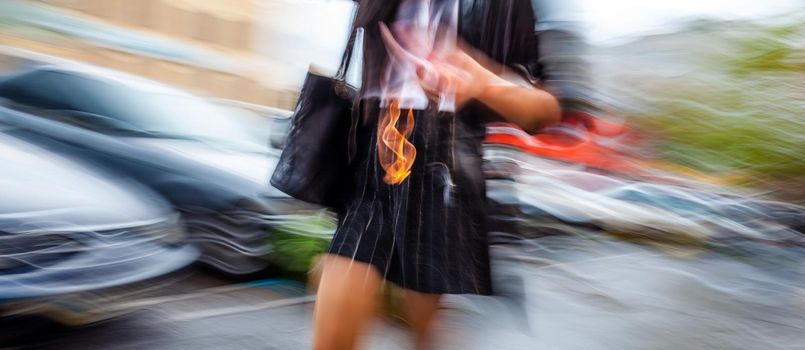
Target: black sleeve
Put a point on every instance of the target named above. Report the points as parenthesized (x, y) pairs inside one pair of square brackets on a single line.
[(557, 62)]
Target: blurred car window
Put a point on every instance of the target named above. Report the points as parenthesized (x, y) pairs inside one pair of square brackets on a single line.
[(266, 125), (258, 127), (154, 112), (34, 89)]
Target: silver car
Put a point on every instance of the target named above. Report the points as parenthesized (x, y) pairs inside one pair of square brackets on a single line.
[(67, 229)]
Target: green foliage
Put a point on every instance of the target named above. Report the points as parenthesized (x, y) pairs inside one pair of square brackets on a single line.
[(296, 242), (769, 50), (739, 110)]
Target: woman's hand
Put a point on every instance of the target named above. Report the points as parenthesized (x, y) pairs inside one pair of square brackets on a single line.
[(445, 72), (458, 74), (452, 71)]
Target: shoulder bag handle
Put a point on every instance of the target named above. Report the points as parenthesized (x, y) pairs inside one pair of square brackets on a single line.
[(347, 56)]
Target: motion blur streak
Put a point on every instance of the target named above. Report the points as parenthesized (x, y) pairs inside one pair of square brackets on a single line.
[(137, 139)]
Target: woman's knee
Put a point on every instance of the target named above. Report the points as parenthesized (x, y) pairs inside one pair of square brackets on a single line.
[(420, 308)]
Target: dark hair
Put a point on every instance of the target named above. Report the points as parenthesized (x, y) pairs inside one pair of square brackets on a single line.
[(370, 13), (373, 11)]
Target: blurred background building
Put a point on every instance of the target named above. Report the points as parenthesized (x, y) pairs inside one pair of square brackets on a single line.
[(234, 49)]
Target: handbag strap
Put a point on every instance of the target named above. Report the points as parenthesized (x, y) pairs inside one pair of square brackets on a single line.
[(347, 56)]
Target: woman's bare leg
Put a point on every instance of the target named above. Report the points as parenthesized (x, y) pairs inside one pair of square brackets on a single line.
[(345, 303), (421, 312)]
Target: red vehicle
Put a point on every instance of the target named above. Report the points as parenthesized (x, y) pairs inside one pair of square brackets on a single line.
[(592, 142)]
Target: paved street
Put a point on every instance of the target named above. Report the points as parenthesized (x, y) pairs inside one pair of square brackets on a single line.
[(218, 322), (259, 315), (557, 293)]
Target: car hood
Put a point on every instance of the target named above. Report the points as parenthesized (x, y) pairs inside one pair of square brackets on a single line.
[(255, 167), (43, 191)]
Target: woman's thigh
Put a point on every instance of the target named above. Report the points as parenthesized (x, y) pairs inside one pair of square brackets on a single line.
[(346, 301)]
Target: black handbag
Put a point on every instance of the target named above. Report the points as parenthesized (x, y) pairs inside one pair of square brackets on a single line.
[(315, 162)]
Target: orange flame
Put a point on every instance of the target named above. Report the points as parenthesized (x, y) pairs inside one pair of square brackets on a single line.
[(396, 153)]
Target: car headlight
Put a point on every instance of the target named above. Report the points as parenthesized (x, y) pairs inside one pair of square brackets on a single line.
[(168, 232), (24, 251)]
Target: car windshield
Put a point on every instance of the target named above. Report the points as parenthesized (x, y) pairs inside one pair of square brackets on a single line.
[(165, 114), (149, 109), (178, 115)]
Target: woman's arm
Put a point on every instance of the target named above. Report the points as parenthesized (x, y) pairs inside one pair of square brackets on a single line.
[(454, 71), (529, 107), (523, 104)]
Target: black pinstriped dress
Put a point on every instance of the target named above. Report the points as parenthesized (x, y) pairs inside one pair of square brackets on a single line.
[(429, 233)]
